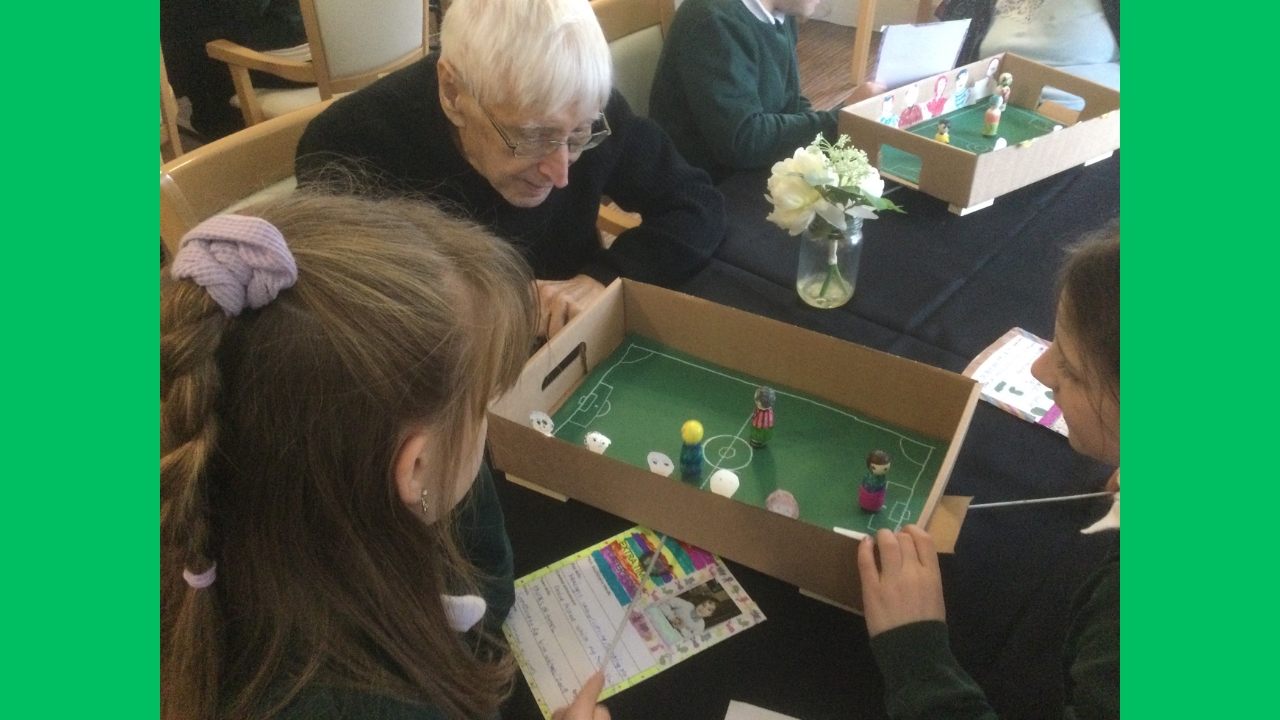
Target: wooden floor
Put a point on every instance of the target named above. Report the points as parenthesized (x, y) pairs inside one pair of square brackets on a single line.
[(825, 51)]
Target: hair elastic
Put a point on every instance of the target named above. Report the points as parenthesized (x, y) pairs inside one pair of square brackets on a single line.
[(241, 261), (203, 580)]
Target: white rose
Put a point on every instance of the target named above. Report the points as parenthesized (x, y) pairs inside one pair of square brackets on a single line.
[(793, 203), (872, 185), (813, 165)]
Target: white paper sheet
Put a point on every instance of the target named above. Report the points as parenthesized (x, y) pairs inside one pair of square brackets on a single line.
[(566, 614), (913, 52), (1004, 371)]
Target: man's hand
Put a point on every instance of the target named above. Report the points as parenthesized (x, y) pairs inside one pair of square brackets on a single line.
[(907, 587), (559, 301), (584, 706)]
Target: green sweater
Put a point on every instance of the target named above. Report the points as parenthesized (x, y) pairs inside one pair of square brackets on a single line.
[(923, 680), (727, 89)]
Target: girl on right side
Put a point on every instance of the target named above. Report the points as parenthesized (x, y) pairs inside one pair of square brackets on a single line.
[(902, 597)]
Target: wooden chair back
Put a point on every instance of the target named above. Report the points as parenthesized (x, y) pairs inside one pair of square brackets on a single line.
[(351, 45), (170, 143), (635, 30), (355, 43), (214, 177)]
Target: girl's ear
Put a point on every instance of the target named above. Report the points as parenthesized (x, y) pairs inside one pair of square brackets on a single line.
[(409, 468)]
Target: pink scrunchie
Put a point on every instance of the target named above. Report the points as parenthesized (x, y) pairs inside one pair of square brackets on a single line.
[(241, 261)]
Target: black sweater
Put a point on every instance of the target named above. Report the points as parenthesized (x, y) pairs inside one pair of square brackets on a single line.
[(397, 129)]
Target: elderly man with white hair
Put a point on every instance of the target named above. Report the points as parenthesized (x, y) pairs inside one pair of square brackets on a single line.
[(515, 125)]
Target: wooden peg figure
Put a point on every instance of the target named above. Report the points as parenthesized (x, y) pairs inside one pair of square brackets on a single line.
[(874, 483), (944, 132), (762, 417), (691, 456), (1005, 87), (991, 123)]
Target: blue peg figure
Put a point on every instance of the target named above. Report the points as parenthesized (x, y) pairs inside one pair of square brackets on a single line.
[(762, 417), (691, 456)]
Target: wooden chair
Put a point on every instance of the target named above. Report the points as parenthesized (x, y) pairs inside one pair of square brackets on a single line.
[(253, 164), (170, 143), (635, 30), (349, 45)]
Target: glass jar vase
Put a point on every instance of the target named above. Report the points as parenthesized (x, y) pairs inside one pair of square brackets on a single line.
[(829, 259)]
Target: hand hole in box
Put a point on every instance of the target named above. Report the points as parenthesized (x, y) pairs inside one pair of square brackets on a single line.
[(578, 352)]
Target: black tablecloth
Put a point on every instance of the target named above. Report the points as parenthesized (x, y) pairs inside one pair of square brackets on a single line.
[(935, 288)]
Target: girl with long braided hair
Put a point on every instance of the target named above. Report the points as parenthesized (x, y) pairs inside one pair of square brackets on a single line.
[(331, 543)]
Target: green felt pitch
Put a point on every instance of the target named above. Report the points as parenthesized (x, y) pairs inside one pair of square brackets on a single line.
[(1016, 125), (642, 394)]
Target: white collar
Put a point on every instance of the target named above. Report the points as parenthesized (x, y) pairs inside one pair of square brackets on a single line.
[(764, 16), (1110, 521)]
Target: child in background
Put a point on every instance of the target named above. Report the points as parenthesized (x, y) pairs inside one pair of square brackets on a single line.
[(331, 543)]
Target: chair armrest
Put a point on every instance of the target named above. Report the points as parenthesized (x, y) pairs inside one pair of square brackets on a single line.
[(240, 56), (615, 221)]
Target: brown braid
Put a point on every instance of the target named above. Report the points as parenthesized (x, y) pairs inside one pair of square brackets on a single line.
[(279, 429), (191, 328)]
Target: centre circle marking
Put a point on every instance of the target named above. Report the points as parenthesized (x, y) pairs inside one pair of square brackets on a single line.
[(726, 450)]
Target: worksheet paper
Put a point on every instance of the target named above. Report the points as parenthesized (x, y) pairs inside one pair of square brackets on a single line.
[(913, 52), (566, 614), (1004, 371)]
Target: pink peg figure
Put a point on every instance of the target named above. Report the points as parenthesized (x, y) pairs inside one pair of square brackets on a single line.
[(874, 483), (991, 122), (762, 417), (691, 454), (1005, 87)]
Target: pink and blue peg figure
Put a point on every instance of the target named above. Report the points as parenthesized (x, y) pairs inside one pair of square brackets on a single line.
[(691, 455), (875, 483), (1005, 87), (991, 122), (762, 417), (944, 132)]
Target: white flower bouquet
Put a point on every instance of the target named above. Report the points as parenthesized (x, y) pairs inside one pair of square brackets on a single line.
[(826, 189), (825, 182)]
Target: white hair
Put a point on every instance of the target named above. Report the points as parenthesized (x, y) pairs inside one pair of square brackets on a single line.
[(540, 56)]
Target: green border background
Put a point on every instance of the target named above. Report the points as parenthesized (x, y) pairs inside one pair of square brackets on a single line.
[(1199, 608), (78, 530), (80, 599)]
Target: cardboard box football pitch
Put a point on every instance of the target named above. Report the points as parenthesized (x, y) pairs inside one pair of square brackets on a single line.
[(971, 171), (641, 349)]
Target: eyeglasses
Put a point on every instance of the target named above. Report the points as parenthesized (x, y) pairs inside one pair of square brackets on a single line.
[(540, 147)]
